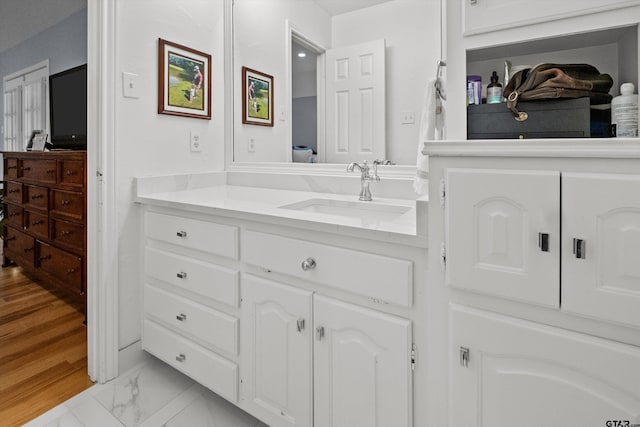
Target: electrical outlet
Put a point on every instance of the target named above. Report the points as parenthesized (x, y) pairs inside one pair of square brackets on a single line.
[(251, 145), (408, 117), (194, 137)]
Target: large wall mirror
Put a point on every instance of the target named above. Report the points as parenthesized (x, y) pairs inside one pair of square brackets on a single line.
[(346, 78)]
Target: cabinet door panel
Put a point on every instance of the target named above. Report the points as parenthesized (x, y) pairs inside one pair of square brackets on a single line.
[(362, 372), (276, 352), (605, 283), (533, 375), (493, 221)]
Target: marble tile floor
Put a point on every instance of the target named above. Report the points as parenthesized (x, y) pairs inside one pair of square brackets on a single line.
[(151, 394)]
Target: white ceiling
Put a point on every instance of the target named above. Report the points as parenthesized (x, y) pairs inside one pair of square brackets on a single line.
[(23, 19), (337, 7)]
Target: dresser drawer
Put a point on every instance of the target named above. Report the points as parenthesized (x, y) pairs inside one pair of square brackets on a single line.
[(11, 168), (68, 234), (379, 277), (62, 265), (36, 197), (67, 205), (71, 173), (213, 328), (206, 367), (13, 192), (217, 239), (36, 224), (38, 170), (19, 247), (209, 280), (13, 215)]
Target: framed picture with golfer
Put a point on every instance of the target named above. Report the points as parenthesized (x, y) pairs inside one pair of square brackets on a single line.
[(184, 81), (257, 98)]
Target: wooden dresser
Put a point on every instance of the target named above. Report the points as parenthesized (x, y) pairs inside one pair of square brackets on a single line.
[(45, 202)]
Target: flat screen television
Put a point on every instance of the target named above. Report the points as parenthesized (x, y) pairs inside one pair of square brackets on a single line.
[(68, 108)]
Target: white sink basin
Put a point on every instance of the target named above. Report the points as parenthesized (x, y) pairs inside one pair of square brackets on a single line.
[(364, 210)]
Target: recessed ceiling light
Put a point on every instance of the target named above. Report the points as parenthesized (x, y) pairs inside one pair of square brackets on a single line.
[(301, 54)]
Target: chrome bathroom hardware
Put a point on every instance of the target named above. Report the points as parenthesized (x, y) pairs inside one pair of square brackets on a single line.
[(464, 357), (181, 357), (300, 325), (181, 233), (181, 317), (543, 242), (579, 248), (308, 264), (319, 333), (365, 178), (182, 275)]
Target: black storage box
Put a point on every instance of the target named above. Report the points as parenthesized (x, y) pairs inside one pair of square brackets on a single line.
[(558, 118)]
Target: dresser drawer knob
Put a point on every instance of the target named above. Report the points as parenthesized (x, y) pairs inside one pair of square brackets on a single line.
[(71, 270), (15, 190), (37, 222), (15, 214), (69, 172), (66, 232), (308, 264), (26, 168), (182, 234), (44, 257), (28, 249), (181, 317), (50, 171), (182, 275), (181, 358), (66, 202), (37, 196)]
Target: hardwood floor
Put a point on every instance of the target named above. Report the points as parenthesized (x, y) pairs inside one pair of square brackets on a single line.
[(43, 349)]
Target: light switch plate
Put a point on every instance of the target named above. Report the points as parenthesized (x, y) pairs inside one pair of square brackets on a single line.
[(130, 85)]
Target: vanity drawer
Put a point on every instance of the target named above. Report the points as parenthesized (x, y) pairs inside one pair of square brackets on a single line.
[(209, 280), (214, 328), (387, 279), (217, 239), (206, 367)]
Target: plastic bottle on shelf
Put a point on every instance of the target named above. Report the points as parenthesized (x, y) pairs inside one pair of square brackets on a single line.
[(624, 112), (494, 90)]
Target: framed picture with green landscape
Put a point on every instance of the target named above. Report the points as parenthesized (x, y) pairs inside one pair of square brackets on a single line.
[(184, 81), (257, 98)]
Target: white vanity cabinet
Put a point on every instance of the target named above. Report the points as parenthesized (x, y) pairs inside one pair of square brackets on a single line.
[(296, 327), (191, 298), (506, 371), (539, 270), (504, 238), (360, 358)]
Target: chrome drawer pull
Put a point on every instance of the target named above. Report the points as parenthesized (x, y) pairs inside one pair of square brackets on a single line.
[(579, 248), (308, 264), (319, 333), (181, 357), (182, 234), (181, 317), (464, 357), (300, 325), (182, 275)]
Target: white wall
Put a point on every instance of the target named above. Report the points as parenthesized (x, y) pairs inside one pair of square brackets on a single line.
[(148, 143), (411, 29)]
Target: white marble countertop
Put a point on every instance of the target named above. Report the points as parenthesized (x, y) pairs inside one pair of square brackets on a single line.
[(265, 205)]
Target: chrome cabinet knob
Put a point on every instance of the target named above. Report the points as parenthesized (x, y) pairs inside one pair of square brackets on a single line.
[(181, 357), (181, 317), (308, 264), (181, 275), (181, 233)]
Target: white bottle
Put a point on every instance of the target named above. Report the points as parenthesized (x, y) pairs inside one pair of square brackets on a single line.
[(624, 112)]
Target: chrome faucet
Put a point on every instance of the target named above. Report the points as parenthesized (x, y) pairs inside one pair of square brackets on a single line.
[(365, 178)]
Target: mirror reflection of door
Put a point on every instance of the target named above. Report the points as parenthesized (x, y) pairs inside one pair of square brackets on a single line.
[(355, 97), (304, 100)]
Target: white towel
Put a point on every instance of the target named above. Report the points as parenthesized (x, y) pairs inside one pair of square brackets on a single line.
[(431, 128)]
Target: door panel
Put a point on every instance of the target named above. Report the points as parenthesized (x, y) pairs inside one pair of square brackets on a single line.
[(530, 375), (362, 367), (355, 85), (494, 221), (605, 283)]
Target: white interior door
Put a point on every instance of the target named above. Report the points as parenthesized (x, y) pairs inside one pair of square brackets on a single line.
[(362, 373), (276, 352), (603, 281), (355, 102), (495, 221)]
